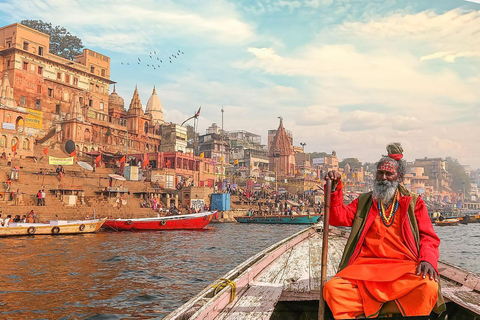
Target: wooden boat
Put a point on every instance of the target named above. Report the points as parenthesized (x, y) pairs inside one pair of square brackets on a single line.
[(179, 222), (280, 219), (447, 222), (283, 282), (54, 227)]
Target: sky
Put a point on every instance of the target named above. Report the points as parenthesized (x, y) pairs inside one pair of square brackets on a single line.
[(345, 75)]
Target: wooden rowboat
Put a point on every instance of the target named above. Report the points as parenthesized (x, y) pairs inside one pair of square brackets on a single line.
[(54, 227), (283, 282), (281, 219), (178, 222)]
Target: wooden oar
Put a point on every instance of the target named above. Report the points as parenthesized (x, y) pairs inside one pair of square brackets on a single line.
[(323, 277)]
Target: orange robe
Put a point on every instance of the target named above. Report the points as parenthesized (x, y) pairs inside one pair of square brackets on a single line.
[(385, 270)]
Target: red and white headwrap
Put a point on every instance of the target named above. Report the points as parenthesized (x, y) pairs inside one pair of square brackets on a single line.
[(388, 166), (395, 156)]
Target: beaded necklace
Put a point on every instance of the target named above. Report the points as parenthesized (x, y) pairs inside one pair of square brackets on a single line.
[(388, 221)]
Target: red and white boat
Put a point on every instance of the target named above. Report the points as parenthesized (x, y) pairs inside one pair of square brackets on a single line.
[(180, 222)]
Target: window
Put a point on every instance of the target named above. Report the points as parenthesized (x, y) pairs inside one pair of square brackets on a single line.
[(37, 103), (90, 103), (25, 144), (96, 88), (101, 89), (80, 100), (19, 124), (57, 109), (22, 100), (103, 72), (92, 69), (75, 81), (40, 51), (50, 92), (25, 65), (8, 63), (9, 44), (40, 70), (25, 45), (59, 75), (3, 141), (67, 78), (39, 88), (101, 105)]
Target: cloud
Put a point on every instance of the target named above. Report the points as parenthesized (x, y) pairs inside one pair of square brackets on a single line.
[(405, 123), (449, 56), (317, 115), (148, 23), (362, 120)]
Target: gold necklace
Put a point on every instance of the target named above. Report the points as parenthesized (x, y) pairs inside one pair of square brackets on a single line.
[(388, 221)]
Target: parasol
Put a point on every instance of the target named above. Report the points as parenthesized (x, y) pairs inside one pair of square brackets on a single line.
[(85, 165), (117, 177)]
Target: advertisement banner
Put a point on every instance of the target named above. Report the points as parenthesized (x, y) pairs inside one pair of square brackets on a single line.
[(8, 126), (34, 119), (318, 161), (61, 161)]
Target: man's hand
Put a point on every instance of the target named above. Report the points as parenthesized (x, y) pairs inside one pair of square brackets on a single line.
[(333, 175), (426, 268)]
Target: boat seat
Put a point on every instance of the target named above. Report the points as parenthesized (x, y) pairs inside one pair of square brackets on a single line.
[(257, 302)]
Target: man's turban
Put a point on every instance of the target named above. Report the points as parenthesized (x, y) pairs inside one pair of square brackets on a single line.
[(395, 151)]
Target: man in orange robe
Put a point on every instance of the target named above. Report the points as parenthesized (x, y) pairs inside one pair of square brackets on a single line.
[(388, 265)]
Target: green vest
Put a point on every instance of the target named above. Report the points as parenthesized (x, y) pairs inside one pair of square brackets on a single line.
[(364, 204)]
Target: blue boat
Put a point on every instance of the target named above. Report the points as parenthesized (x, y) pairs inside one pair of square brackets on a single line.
[(281, 219)]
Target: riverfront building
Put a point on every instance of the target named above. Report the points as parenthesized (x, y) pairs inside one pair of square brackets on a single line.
[(53, 99)]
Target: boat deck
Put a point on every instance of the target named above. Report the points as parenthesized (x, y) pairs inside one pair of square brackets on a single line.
[(290, 271)]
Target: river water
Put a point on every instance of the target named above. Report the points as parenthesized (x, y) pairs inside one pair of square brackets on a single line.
[(132, 275)]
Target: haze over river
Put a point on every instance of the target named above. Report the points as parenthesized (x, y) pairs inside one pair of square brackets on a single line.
[(120, 275)]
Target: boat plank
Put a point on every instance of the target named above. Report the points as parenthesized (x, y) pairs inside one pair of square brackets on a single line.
[(297, 271), (258, 302), (274, 273)]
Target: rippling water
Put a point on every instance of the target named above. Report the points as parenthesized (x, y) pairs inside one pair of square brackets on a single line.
[(135, 275)]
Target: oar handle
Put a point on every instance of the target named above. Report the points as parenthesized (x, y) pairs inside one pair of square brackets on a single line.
[(326, 225)]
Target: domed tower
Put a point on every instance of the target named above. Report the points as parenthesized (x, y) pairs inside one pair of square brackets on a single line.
[(115, 102), (154, 108)]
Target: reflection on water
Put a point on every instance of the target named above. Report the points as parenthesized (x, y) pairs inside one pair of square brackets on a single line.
[(112, 275), (460, 245)]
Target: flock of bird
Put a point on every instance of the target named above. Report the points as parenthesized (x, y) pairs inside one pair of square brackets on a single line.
[(154, 61)]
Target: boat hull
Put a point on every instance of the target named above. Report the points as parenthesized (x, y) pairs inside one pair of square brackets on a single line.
[(181, 222), (52, 228), (447, 222), (280, 219)]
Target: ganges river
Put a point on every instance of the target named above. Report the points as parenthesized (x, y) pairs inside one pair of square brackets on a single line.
[(131, 275)]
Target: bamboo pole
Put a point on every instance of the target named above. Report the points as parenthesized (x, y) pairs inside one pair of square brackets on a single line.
[(326, 225)]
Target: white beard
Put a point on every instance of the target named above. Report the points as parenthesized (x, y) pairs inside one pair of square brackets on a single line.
[(384, 191)]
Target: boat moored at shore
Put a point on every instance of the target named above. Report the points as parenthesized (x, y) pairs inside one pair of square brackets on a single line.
[(178, 222), (280, 219), (53, 227)]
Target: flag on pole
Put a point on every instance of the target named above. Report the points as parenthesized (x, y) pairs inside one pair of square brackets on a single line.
[(97, 160), (14, 147), (201, 156), (145, 162), (235, 162), (122, 160), (73, 153), (45, 151)]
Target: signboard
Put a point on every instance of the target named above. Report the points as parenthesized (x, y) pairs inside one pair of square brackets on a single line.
[(318, 161), (32, 131), (157, 178), (8, 126), (34, 119), (91, 114), (60, 161), (197, 204)]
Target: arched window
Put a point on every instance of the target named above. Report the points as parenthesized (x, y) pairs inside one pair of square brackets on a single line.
[(3, 141), (20, 124), (14, 141), (26, 144), (86, 135), (146, 127)]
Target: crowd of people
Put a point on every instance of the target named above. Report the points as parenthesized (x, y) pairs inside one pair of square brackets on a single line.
[(30, 218)]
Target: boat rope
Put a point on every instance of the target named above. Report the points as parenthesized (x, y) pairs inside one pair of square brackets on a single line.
[(222, 284)]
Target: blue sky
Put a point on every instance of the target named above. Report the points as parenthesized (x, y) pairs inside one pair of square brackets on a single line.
[(349, 76)]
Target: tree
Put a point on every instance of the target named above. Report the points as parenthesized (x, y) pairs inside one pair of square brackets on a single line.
[(352, 162), (314, 155), (460, 179), (62, 42)]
